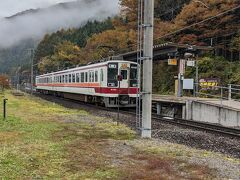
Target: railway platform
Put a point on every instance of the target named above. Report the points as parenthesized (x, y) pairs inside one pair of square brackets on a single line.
[(224, 112)]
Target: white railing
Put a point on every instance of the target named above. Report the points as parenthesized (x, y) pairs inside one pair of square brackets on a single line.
[(232, 92), (233, 89)]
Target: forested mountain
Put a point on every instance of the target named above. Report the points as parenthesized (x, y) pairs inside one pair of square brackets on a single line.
[(26, 29), (63, 48), (70, 47), (15, 57)]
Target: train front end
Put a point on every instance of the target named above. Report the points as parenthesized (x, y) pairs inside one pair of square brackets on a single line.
[(122, 84)]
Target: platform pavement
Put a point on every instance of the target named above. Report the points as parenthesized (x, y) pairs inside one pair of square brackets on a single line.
[(231, 104)]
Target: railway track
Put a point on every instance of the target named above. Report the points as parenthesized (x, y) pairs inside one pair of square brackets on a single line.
[(212, 128), (203, 126)]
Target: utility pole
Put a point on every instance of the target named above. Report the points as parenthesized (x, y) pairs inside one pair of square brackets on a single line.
[(32, 51), (31, 57), (147, 68)]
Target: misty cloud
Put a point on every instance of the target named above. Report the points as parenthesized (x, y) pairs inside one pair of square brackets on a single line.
[(10, 7), (36, 24)]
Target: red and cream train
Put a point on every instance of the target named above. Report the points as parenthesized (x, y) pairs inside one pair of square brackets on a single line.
[(94, 83)]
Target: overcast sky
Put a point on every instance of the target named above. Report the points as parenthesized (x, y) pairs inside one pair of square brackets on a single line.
[(36, 25), (11, 7)]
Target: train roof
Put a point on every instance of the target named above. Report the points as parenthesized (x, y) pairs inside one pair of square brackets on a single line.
[(84, 67)]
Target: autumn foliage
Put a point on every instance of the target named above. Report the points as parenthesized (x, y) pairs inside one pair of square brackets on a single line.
[(4, 82)]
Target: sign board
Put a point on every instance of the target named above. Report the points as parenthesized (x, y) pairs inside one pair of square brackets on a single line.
[(113, 66), (188, 84), (209, 83), (182, 66), (172, 62), (190, 63)]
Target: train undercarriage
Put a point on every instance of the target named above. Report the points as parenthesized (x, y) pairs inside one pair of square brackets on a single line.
[(124, 100)]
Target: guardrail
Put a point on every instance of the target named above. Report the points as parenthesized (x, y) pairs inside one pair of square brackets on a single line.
[(232, 92)]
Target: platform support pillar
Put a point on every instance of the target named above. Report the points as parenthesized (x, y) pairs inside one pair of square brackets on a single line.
[(188, 110), (159, 108), (183, 112)]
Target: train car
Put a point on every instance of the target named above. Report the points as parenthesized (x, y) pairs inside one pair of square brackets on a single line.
[(94, 83)]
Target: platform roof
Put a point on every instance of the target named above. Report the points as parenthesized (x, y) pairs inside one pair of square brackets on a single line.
[(162, 51)]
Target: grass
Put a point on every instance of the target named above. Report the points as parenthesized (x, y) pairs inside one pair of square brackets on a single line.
[(26, 146), (31, 146)]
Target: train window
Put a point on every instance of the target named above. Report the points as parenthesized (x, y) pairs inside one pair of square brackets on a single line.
[(96, 76), (92, 76), (77, 78), (124, 74), (101, 75), (70, 78), (133, 75), (66, 78), (63, 78), (86, 76), (73, 78), (89, 76), (112, 74), (60, 79), (82, 77)]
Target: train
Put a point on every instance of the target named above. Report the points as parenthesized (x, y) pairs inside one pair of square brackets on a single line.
[(96, 83)]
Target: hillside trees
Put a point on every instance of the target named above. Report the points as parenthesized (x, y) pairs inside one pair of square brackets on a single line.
[(4, 82), (78, 37), (236, 42), (66, 54), (196, 12)]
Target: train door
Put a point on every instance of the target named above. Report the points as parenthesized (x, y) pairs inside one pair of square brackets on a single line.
[(124, 72)]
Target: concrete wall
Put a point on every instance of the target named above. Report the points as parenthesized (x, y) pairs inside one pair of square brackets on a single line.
[(207, 112)]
